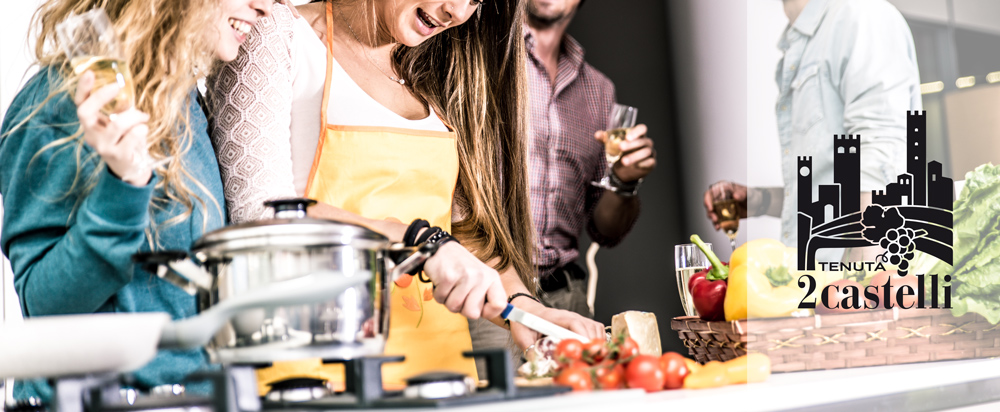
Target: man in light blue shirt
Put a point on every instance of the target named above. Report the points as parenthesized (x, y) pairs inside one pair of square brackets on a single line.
[(849, 68)]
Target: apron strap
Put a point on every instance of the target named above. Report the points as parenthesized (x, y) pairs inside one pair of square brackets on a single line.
[(326, 93)]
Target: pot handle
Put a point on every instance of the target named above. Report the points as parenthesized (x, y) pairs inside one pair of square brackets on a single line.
[(413, 263), (316, 287), (176, 267), (292, 208)]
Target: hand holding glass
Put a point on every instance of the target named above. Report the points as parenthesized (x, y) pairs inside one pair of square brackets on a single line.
[(91, 44), (727, 209), (622, 118)]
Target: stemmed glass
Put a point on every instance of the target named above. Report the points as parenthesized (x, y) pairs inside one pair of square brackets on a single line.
[(91, 44), (727, 209), (622, 118), (688, 260)]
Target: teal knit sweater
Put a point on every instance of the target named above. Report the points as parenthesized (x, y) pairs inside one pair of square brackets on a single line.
[(71, 252)]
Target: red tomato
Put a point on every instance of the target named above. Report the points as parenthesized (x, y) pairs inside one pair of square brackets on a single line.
[(576, 378), (628, 349), (577, 364), (610, 376), (674, 369), (644, 372), (569, 350), (836, 292), (595, 351), (896, 282)]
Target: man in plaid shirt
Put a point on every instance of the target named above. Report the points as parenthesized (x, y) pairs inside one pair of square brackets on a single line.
[(570, 105)]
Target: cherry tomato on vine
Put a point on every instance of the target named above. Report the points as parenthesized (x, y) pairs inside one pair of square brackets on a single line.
[(569, 350), (610, 375), (595, 351), (576, 378), (644, 372), (628, 349), (674, 369)]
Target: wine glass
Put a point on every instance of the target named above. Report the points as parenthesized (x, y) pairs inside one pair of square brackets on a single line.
[(727, 209), (622, 118), (91, 44), (688, 260)]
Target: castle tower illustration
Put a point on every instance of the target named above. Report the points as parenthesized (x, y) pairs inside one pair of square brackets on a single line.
[(916, 153), (805, 184), (846, 171)]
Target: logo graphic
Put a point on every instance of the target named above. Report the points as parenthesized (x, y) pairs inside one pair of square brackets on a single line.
[(914, 213)]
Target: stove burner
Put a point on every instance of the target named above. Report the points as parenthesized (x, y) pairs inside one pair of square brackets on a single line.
[(439, 385), (234, 389), (297, 390), (26, 405)]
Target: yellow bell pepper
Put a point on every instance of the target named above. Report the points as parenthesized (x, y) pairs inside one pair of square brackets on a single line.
[(763, 281)]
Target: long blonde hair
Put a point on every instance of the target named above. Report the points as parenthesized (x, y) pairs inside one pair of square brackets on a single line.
[(474, 75), (165, 46)]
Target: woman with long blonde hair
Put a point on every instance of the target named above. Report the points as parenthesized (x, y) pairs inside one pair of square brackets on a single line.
[(389, 112), (78, 199)]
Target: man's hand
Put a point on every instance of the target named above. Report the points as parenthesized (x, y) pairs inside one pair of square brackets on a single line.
[(295, 13), (715, 193), (638, 155)]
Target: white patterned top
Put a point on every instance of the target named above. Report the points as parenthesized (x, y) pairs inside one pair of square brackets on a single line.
[(267, 113)]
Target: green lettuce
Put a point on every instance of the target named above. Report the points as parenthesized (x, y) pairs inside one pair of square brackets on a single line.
[(975, 274)]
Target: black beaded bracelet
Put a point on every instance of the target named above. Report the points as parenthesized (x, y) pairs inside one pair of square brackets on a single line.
[(409, 238), (519, 294), (506, 322), (436, 235)]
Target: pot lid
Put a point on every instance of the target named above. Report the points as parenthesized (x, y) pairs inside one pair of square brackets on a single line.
[(290, 229)]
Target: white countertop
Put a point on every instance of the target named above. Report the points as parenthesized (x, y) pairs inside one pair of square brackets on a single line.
[(781, 391)]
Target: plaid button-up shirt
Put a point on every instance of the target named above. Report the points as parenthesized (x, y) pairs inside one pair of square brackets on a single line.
[(564, 156)]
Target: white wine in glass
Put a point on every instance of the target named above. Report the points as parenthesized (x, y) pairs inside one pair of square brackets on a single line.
[(108, 71), (622, 118), (729, 218), (727, 209), (612, 147)]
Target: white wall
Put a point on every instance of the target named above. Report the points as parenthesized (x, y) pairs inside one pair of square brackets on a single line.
[(15, 60), (708, 37), (16, 55), (765, 22)]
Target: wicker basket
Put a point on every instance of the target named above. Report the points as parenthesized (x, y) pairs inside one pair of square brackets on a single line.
[(885, 337)]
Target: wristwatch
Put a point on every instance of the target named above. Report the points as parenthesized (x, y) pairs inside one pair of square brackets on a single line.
[(623, 189)]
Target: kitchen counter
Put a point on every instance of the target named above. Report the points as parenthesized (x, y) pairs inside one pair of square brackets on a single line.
[(912, 387)]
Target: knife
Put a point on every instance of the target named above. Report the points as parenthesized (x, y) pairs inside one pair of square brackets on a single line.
[(537, 324)]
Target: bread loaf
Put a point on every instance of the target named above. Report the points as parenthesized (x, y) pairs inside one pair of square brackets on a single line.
[(641, 327)]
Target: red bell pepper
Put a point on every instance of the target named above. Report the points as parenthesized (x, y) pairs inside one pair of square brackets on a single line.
[(708, 287)]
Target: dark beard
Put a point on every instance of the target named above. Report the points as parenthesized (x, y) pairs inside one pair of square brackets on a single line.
[(544, 21)]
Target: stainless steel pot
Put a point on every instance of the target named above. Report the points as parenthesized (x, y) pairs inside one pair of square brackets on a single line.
[(238, 259)]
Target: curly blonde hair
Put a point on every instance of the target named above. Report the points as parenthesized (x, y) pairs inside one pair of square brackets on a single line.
[(165, 47)]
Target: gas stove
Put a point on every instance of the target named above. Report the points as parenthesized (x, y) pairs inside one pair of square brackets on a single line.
[(234, 389)]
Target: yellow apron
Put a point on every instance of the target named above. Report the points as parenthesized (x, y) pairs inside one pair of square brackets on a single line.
[(380, 173)]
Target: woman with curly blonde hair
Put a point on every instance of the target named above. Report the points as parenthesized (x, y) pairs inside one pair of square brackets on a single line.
[(77, 202)]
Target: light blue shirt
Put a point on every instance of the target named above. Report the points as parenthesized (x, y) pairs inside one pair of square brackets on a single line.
[(849, 67)]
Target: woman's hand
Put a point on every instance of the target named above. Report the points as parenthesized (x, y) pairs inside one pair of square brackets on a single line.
[(119, 138), (464, 284), (583, 326)]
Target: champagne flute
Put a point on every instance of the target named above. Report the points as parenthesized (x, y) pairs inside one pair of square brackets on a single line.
[(91, 44), (727, 209), (622, 118), (688, 260)]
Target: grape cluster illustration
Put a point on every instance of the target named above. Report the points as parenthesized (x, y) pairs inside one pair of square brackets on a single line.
[(887, 228), (898, 245)]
